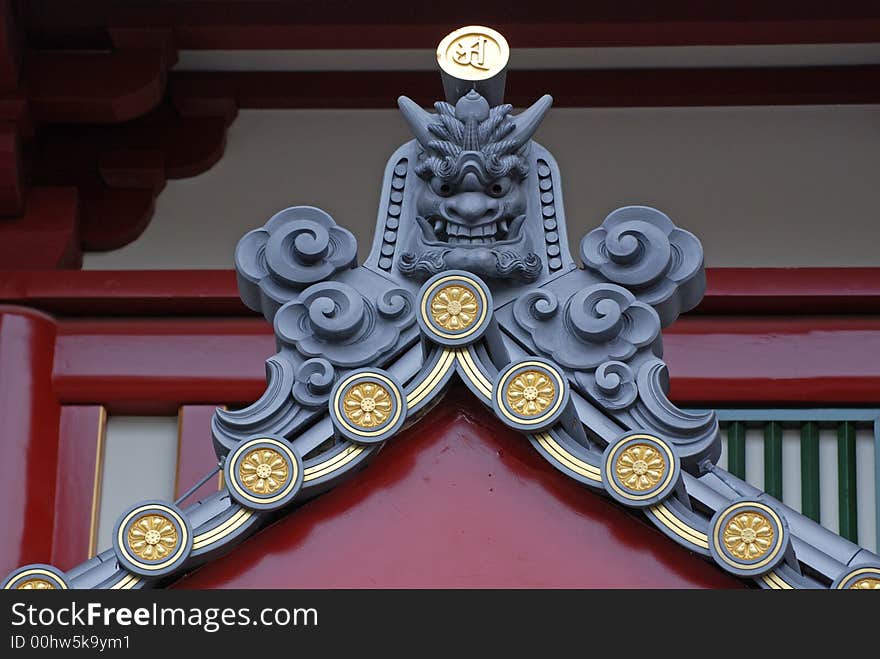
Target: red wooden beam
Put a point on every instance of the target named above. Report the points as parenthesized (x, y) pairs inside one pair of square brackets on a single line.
[(792, 291), (275, 24), (154, 365), (46, 235), (78, 484), (213, 292), (10, 47), (119, 169), (29, 415), (570, 88), (12, 189), (125, 292), (774, 360), (86, 87)]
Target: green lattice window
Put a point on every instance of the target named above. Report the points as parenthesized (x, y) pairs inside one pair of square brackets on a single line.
[(824, 463)]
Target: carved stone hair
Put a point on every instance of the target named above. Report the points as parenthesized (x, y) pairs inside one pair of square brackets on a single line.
[(472, 130)]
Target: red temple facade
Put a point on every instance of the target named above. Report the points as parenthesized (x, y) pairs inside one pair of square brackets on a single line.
[(96, 120)]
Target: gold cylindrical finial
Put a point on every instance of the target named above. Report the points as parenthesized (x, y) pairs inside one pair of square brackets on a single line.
[(473, 57)]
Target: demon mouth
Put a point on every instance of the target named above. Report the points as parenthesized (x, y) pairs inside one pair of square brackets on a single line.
[(440, 231)]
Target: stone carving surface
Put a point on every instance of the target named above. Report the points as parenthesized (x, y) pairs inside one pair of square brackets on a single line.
[(472, 207), (336, 322), (593, 325), (297, 247), (640, 248)]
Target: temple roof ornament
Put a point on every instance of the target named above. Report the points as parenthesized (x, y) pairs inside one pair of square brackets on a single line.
[(470, 277)]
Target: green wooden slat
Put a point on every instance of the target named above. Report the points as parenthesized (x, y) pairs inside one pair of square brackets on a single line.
[(810, 495), (736, 449), (846, 480), (796, 414), (773, 459)]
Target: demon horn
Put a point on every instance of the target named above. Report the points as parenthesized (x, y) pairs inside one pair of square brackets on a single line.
[(527, 121), (418, 120)]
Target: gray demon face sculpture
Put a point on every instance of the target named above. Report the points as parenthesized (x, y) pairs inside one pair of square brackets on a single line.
[(472, 209), (470, 278)]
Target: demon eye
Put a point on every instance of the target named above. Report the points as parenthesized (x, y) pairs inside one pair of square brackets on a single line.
[(441, 187), (500, 188)]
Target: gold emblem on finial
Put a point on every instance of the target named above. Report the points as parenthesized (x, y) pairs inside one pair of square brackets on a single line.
[(749, 535), (640, 467), (868, 583), (454, 308), (35, 584), (530, 393), (263, 471), (367, 404), (152, 536), (473, 52)]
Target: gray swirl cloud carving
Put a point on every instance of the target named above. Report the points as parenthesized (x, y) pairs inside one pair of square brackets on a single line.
[(297, 247), (612, 384), (640, 248), (335, 322), (600, 323)]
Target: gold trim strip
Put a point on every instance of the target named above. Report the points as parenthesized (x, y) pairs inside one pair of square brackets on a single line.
[(426, 386), (177, 457), (444, 363), (467, 355), (206, 535), (568, 460), (124, 582), (776, 582), (427, 379), (97, 483), (131, 584), (330, 461), (222, 530), (355, 452), (680, 528), (468, 367)]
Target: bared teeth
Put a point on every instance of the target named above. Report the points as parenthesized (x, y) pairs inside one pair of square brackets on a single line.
[(461, 234)]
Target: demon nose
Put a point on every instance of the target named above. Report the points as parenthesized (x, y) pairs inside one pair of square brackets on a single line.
[(470, 208)]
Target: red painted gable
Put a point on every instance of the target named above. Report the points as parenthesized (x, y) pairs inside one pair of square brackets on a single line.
[(459, 500)]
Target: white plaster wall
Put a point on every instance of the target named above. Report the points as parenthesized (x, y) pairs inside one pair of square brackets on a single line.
[(761, 186), (140, 462)]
